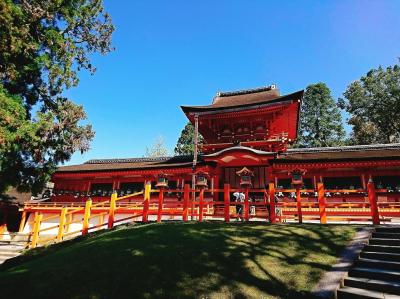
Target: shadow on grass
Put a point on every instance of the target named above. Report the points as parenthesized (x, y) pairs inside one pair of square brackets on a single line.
[(182, 260)]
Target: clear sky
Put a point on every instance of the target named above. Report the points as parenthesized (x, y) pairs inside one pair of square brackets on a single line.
[(172, 53)]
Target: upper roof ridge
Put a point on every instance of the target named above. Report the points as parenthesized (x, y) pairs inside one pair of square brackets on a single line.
[(365, 147), (132, 160), (246, 91)]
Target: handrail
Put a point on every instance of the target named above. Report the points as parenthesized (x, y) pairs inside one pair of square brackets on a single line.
[(129, 195), (343, 203)]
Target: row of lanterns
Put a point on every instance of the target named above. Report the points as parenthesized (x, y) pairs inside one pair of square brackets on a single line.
[(245, 175), (202, 177)]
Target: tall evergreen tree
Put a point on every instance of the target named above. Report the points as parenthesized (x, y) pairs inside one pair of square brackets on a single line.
[(320, 119), (373, 103), (43, 45), (185, 144)]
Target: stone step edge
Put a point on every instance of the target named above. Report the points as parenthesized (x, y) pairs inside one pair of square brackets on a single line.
[(363, 259), (375, 270), (362, 292), (375, 281)]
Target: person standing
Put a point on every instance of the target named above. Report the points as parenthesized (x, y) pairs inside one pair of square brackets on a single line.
[(239, 198)]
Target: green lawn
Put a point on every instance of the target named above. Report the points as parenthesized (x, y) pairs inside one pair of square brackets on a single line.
[(182, 260)]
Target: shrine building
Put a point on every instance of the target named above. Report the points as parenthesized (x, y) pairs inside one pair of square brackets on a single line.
[(248, 128), (247, 148)]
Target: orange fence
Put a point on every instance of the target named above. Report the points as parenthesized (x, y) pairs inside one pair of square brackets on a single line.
[(273, 205)]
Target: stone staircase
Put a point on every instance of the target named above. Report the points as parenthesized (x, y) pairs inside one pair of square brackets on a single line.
[(12, 247), (376, 273)]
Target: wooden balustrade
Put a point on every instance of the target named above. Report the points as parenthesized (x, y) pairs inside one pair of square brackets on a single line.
[(272, 204)]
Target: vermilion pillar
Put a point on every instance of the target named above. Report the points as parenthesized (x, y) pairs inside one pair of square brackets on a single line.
[(373, 202), (246, 206), (272, 214), (146, 202), (201, 204), (85, 224), (186, 195), (160, 204), (298, 200), (227, 202), (111, 212), (321, 202)]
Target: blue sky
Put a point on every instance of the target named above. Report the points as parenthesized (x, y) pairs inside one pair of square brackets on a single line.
[(172, 53)]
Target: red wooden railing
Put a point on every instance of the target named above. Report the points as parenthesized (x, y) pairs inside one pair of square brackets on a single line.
[(273, 205)]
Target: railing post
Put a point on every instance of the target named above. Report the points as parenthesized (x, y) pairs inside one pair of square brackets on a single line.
[(3, 228), (246, 205), (22, 223), (373, 202), (186, 196), (85, 224), (227, 202), (272, 214), (160, 204), (36, 228), (146, 202), (61, 225), (321, 202), (112, 210), (201, 204), (298, 200)]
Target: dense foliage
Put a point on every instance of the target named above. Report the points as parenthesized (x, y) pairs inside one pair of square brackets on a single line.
[(185, 144), (373, 103), (43, 45), (320, 119)]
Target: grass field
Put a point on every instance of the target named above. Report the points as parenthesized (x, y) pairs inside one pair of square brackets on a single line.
[(182, 260)]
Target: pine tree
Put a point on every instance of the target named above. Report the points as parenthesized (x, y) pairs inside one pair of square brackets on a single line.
[(320, 119)]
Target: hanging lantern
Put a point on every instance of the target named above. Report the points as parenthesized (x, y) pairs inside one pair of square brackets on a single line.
[(162, 181), (297, 177), (201, 179), (245, 175)]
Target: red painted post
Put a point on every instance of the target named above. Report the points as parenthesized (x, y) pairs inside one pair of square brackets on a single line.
[(246, 206), (146, 202), (321, 202), (227, 202), (201, 204), (111, 213), (373, 202), (272, 214), (160, 204), (298, 200), (186, 196)]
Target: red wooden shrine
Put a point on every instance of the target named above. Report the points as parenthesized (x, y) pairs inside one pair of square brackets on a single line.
[(254, 130)]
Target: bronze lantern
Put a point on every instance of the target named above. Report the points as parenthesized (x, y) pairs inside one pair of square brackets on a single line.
[(162, 181), (201, 179), (297, 177), (245, 175)]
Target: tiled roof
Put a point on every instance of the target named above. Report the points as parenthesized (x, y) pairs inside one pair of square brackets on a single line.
[(129, 164), (244, 98), (373, 151), (140, 160), (376, 151)]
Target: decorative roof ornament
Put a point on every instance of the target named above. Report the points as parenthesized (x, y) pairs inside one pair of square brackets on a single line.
[(246, 91)]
